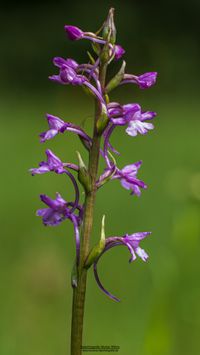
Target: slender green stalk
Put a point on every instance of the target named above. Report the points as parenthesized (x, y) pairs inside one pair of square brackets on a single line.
[(80, 290)]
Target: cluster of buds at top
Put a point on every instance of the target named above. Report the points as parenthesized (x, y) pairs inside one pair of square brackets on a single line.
[(113, 114)]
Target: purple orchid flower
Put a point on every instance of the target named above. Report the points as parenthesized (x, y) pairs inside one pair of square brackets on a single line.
[(56, 212), (86, 69), (54, 164), (128, 178), (57, 125), (69, 62), (144, 81), (131, 115), (132, 243), (69, 75)]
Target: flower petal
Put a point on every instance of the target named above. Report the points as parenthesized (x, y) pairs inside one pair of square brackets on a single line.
[(136, 127), (141, 253), (48, 135)]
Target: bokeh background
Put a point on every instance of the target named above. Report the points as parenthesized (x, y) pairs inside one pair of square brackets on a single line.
[(160, 309)]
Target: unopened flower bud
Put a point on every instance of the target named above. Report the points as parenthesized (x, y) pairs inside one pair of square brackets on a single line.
[(74, 33), (109, 29)]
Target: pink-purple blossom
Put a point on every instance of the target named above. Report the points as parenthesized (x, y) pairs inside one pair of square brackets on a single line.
[(57, 125), (132, 242), (132, 116), (56, 211), (128, 178), (53, 163), (144, 81), (69, 74)]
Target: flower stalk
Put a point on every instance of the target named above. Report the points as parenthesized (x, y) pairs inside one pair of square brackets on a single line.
[(80, 290)]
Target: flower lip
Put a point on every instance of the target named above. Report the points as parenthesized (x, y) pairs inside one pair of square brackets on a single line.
[(137, 126)]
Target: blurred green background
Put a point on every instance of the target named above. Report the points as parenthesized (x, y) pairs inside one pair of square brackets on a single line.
[(160, 309)]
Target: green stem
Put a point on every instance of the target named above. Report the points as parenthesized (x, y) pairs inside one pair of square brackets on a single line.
[(79, 291)]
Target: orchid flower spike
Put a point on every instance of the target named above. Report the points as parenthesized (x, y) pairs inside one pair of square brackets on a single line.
[(84, 176)]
